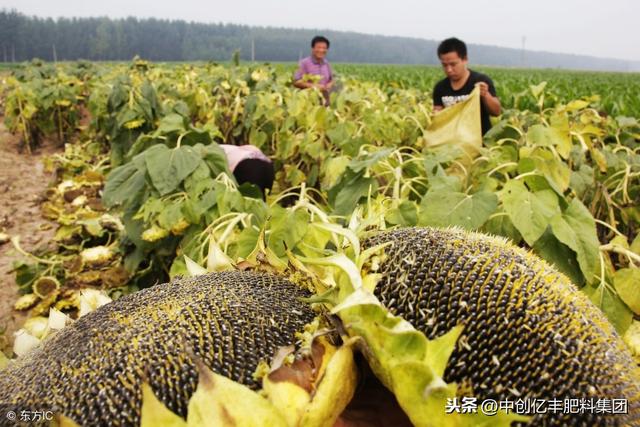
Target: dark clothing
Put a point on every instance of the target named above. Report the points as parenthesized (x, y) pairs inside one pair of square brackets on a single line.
[(445, 96)]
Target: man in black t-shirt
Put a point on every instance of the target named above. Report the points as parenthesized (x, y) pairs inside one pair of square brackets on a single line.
[(460, 81)]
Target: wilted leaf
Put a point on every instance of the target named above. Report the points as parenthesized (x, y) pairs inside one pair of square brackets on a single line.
[(219, 401), (154, 413), (336, 388), (577, 104), (194, 268)]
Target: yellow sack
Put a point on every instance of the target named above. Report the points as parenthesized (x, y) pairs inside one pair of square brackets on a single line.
[(458, 125)]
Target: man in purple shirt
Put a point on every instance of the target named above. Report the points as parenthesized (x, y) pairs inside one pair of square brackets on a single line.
[(315, 65)]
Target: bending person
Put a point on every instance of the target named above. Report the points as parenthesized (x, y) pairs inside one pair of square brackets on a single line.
[(249, 164)]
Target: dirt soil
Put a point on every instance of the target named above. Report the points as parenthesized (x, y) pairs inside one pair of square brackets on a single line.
[(23, 182)]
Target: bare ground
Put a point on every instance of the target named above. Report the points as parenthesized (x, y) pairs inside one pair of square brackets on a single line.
[(23, 182)]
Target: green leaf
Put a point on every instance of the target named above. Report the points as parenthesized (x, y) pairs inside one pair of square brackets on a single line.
[(169, 167), (443, 208), (576, 228), (529, 212), (288, 227), (613, 307), (117, 97), (332, 170), (171, 123), (537, 90), (133, 229), (127, 115), (315, 240), (133, 259), (215, 158), (195, 136), (405, 214), (559, 255), (582, 181), (441, 155), (170, 215), (199, 180), (124, 183), (560, 130), (543, 136), (365, 161), (352, 187), (627, 283), (149, 100), (229, 201), (247, 242), (635, 245), (150, 209), (440, 181), (501, 225), (555, 171), (258, 209), (250, 190)]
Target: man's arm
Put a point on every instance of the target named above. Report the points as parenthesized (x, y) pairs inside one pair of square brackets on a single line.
[(331, 81), (301, 84), (298, 80), (437, 100), (490, 101)]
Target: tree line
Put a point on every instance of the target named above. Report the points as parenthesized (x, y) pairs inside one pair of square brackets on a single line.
[(103, 39)]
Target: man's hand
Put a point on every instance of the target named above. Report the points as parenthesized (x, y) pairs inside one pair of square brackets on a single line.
[(325, 87), (491, 102), (484, 89)]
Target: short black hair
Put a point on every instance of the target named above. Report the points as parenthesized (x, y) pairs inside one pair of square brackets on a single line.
[(319, 39), (255, 171), (453, 45)]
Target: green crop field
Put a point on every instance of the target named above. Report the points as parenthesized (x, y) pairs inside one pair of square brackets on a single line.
[(613, 93), (143, 192)]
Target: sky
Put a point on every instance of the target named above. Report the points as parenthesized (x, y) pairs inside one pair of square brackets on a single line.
[(607, 29)]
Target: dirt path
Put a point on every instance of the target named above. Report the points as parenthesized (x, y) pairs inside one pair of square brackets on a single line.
[(23, 182)]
